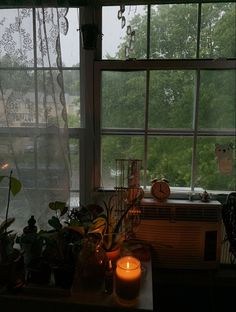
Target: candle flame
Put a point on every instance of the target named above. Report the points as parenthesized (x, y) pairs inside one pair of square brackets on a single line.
[(127, 265)]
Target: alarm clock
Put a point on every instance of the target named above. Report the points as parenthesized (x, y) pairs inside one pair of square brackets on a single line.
[(160, 189)]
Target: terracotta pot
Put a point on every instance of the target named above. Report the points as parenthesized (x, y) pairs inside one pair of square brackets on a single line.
[(113, 255)]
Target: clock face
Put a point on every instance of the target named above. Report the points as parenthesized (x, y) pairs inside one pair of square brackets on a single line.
[(160, 190)]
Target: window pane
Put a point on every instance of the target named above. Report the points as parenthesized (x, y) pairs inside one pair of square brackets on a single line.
[(51, 169), (170, 158), (49, 97), (19, 98), (74, 162), (171, 99), (218, 30), (217, 99), (215, 166), (47, 34), (123, 99), (6, 156), (116, 41), (118, 147), (72, 96), (70, 44), (173, 31), (16, 37)]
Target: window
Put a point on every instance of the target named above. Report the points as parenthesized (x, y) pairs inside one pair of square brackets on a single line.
[(167, 94), (32, 98)]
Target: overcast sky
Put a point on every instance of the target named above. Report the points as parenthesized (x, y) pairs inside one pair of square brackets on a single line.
[(111, 28)]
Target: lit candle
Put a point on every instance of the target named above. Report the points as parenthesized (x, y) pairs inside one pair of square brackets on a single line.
[(127, 278)]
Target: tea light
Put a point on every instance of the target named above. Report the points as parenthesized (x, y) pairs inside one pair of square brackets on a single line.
[(127, 278)]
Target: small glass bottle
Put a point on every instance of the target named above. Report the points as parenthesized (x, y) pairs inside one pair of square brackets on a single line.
[(109, 279)]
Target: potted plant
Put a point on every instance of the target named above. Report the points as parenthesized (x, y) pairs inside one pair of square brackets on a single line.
[(32, 243), (11, 259), (109, 225), (61, 245), (91, 261)]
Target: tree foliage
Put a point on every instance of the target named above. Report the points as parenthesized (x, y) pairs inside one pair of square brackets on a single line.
[(173, 35)]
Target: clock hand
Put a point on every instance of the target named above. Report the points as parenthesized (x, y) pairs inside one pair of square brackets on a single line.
[(161, 189)]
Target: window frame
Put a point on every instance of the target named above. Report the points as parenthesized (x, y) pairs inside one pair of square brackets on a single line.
[(157, 64), (23, 131)]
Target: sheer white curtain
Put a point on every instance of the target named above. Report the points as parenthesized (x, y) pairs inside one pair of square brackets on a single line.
[(33, 118)]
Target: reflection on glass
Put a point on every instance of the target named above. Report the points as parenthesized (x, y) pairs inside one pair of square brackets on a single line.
[(171, 99), (118, 147), (123, 99)]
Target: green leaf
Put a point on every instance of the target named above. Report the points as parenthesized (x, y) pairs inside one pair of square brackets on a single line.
[(5, 224), (2, 177), (58, 205), (15, 186), (55, 223)]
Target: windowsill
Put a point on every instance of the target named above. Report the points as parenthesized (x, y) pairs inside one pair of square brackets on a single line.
[(176, 193)]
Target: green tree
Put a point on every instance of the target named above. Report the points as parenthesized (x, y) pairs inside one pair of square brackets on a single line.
[(171, 93)]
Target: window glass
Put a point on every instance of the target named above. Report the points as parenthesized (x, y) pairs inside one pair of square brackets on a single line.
[(217, 99), (123, 99), (118, 147), (173, 31), (216, 163), (171, 98), (32, 102), (47, 36), (20, 105), (124, 32), (70, 41), (71, 80), (171, 158), (180, 116), (218, 30), (16, 33), (74, 146)]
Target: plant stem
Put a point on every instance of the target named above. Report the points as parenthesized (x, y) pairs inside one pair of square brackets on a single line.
[(8, 198)]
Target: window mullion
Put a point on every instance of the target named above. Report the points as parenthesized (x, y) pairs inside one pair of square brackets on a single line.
[(148, 30), (196, 103), (198, 29), (36, 94), (195, 128), (146, 128)]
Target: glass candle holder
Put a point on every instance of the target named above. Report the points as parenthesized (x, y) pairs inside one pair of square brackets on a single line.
[(127, 280)]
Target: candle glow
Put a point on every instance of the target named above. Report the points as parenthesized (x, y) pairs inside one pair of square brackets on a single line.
[(128, 276)]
